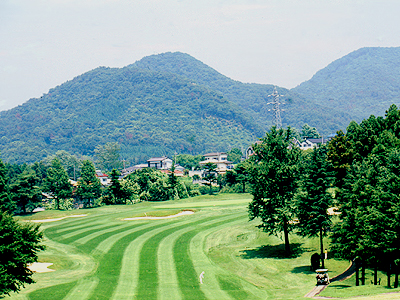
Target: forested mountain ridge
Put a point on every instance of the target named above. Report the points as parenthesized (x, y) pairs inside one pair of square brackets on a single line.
[(172, 102), (251, 97), (364, 82), (149, 113)]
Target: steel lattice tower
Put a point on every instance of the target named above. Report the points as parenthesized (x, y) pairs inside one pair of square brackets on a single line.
[(276, 108)]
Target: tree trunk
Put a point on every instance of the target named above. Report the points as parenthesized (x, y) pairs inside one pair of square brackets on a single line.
[(396, 276), (376, 273), (363, 272), (388, 275), (357, 273), (286, 234), (243, 187), (321, 242)]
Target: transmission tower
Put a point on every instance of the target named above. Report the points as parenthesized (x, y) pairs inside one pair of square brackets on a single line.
[(276, 108)]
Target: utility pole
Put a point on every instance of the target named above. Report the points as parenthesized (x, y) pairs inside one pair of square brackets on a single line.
[(276, 108)]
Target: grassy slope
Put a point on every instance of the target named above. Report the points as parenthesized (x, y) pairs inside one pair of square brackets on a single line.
[(102, 257)]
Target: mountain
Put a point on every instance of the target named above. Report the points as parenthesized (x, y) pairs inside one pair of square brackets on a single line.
[(149, 113), (172, 102), (252, 98), (364, 82)]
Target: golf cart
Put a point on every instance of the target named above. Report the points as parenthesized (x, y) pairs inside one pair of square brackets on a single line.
[(322, 276)]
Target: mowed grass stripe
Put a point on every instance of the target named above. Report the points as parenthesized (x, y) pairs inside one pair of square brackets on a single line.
[(186, 273), (129, 277), (102, 232), (113, 253), (238, 289), (202, 263), (148, 270), (83, 289), (168, 280), (107, 243), (73, 236)]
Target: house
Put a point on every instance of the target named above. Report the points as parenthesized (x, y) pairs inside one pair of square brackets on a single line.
[(218, 158), (104, 180), (160, 163), (130, 170), (310, 143)]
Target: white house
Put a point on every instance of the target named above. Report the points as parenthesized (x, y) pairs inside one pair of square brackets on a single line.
[(218, 158), (161, 163)]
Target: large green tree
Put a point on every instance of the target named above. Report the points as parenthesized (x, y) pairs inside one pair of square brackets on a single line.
[(118, 194), (57, 183), (6, 202), (274, 176), (314, 198), (210, 174), (108, 156), (89, 186), (19, 246), (366, 160), (26, 191)]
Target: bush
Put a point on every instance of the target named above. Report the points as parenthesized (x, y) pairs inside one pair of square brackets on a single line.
[(67, 204), (205, 189)]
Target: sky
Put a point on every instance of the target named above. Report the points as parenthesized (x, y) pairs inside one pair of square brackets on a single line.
[(44, 43)]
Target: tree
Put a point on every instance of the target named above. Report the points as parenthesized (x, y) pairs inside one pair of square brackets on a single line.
[(313, 198), (210, 174), (25, 191), (367, 158), (57, 183), (309, 132), (68, 161), (6, 202), (273, 177), (116, 189), (189, 161), (108, 156), (19, 247), (235, 155), (89, 186)]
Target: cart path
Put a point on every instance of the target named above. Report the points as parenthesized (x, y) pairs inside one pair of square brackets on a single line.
[(346, 274)]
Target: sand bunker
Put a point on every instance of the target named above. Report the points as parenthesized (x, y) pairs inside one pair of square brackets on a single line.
[(40, 267), (333, 211), (182, 213), (58, 219)]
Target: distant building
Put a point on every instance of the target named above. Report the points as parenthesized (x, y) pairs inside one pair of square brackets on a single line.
[(220, 159), (160, 163), (104, 180)]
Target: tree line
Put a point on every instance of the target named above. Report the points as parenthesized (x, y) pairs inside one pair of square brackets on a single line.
[(358, 173)]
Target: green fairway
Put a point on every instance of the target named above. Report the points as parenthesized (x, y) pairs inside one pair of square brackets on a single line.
[(102, 256)]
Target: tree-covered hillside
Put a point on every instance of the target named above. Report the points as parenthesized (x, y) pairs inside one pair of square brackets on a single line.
[(149, 113), (364, 82), (253, 98)]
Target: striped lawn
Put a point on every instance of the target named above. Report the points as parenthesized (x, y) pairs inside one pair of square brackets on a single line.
[(146, 259)]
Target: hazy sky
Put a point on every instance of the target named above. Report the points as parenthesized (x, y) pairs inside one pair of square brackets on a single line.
[(44, 43)]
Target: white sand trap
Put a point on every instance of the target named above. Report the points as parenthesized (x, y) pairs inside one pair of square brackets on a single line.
[(40, 267), (333, 211), (182, 213), (58, 219)]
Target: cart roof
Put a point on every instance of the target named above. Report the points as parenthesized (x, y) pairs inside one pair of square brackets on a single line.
[(321, 270)]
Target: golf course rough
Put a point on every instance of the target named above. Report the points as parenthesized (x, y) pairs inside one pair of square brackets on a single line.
[(101, 256)]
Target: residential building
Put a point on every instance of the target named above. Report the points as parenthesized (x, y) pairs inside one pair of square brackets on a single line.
[(218, 158)]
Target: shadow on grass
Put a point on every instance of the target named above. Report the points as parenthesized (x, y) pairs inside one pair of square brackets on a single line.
[(303, 269), (341, 286), (273, 251)]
